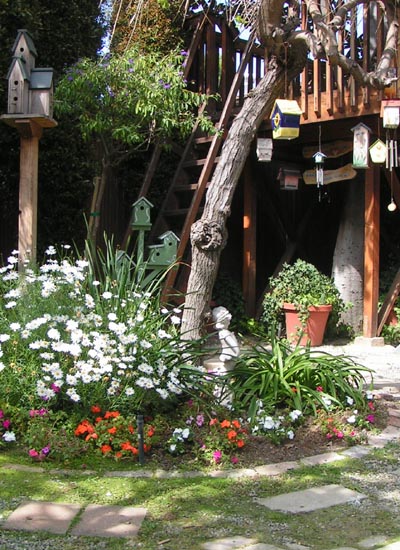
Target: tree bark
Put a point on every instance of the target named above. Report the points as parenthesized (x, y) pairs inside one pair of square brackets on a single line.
[(348, 258), (208, 235)]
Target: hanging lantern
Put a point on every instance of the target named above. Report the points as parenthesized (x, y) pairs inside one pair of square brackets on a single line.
[(319, 159), (285, 119), (289, 178), (360, 145), (264, 149)]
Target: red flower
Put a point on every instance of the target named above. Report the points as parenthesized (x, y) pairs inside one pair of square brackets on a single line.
[(95, 409), (236, 424), (111, 414), (231, 434), (150, 431), (240, 443), (319, 388), (225, 424), (105, 449), (112, 430)]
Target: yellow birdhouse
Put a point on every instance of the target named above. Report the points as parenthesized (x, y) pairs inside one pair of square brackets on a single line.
[(285, 119)]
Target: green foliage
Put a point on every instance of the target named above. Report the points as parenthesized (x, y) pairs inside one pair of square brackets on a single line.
[(295, 379), (131, 98), (302, 285)]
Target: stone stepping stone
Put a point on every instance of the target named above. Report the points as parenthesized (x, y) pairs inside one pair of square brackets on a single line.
[(237, 543), (311, 499), (42, 516), (109, 521)]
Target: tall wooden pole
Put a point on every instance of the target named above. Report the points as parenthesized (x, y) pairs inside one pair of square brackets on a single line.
[(30, 133), (249, 242), (371, 252)]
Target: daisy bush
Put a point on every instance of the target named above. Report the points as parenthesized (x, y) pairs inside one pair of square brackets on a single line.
[(78, 331)]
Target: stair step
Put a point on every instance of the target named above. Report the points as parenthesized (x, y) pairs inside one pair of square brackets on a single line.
[(203, 139), (188, 187), (179, 212), (197, 162)]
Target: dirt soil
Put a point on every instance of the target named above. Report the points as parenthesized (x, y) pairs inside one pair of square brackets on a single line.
[(308, 441)]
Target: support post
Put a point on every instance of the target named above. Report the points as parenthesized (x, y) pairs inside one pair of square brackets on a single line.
[(30, 133), (371, 252), (249, 242)]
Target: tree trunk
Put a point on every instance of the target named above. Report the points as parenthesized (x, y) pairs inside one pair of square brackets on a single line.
[(348, 258), (208, 235)]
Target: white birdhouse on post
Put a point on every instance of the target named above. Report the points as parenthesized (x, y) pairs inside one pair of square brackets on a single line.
[(29, 110)]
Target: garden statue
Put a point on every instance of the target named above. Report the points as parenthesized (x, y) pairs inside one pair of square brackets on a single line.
[(228, 341)]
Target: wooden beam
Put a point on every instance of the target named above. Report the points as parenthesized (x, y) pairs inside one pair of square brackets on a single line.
[(371, 252), (249, 241), (389, 302)]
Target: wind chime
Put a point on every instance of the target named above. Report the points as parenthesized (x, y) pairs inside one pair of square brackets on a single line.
[(391, 122), (319, 159)]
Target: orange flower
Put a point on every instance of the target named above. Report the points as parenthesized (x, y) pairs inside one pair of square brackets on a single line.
[(236, 424), (131, 429), (105, 449), (112, 430), (134, 451), (118, 454), (111, 414), (225, 424), (84, 427), (146, 448), (231, 434), (91, 436), (98, 419), (240, 443), (95, 409), (126, 446), (150, 431)]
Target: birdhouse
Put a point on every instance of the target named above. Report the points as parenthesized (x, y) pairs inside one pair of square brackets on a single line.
[(41, 92), (390, 113), (25, 48), (18, 87), (360, 145), (285, 119), (378, 152), (289, 179), (163, 255), (141, 218)]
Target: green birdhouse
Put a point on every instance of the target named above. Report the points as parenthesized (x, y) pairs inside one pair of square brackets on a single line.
[(285, 119), (141, 218), (163, 255)]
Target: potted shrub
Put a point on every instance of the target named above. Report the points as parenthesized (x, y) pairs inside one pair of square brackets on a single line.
[(305, 297)]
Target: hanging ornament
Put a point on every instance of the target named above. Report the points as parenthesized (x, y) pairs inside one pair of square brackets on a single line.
[(285, 119)]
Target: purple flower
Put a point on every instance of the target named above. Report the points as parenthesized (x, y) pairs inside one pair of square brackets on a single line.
[(184, 53), (45, 451), (55, 388), (200, 420), (167, 86), (370, 418), (217, 455)]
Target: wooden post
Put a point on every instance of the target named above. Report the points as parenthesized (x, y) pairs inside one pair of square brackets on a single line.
[(30, 133), (371, 252), (249, 242)]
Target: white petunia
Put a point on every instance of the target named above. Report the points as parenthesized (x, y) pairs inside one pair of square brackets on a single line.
[(175, 320), (349, 400), (351, 419), (9, 437), (294, 415)]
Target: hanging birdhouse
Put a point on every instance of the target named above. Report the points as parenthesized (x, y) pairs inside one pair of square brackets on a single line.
[(390, 113), (285, 119), (264, 149), (360, 145), (141, 218), (378, 152), (289, 179)]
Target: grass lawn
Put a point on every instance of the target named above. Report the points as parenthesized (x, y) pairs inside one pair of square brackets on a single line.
[(183, 513)]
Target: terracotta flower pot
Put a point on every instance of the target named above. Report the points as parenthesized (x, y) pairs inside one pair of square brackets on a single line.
[(314, 330)]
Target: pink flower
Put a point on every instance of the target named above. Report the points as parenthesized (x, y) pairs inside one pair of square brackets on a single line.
[(6, 424), (199, 420), (234, 460), (339, 434), (1, 414), (33, 453), (217, 455), (55, 388), (319, 388), (370, 418), (371, 406)]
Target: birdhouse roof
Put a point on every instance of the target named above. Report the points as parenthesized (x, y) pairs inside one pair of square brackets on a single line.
[(20, 61), (31, 46), (41, 79), (142, 200), (287, 107), (169, 235), (359, 126)]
